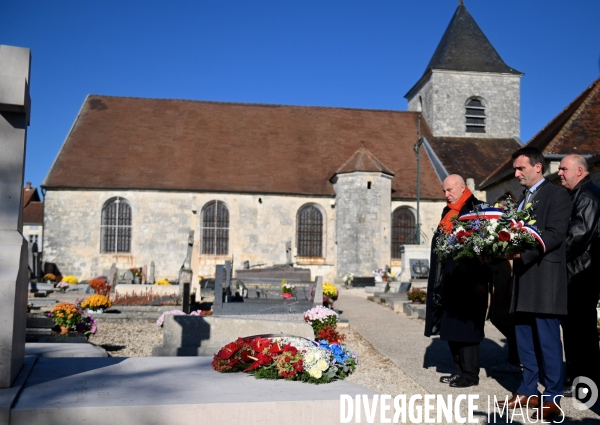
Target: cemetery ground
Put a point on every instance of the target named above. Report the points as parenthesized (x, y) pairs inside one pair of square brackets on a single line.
[(394, 356)]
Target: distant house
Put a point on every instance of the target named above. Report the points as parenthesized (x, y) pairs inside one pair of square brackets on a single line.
[(33, 215), (334, 187)]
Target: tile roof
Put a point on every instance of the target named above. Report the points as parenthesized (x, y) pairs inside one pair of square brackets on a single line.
[(180, 145), (576, 129), (30, 194), (33, 213), (363, 160), (472, 157), (464, 47)]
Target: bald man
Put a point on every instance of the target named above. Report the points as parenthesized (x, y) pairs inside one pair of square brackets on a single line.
[(583, 269), (457, 296)]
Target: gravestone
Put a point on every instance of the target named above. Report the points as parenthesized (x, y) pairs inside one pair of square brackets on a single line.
[(152, 278), (128, 277), (113, 276), (419, 268), (318, 299), (144, 274), (15, 107), (412, 252)]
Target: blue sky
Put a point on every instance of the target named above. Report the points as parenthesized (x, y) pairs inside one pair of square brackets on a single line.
[(359, 54)]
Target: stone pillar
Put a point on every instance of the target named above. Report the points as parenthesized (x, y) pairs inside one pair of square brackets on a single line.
[(363, 222), (14, 119)]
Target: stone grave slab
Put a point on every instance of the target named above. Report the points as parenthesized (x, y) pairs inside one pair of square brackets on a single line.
[(167, 390)]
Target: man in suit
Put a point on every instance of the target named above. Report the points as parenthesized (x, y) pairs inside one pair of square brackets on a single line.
[(583, 267), (540, 291)]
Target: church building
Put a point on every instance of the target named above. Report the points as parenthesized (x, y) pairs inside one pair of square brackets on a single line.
[(332, 189)]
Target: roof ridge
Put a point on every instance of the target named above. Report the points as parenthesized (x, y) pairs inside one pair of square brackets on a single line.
[(584, 103), (218, 102), (358, 156)]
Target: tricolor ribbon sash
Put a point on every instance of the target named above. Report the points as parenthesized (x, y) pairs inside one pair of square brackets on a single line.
[(533, 231), (484, 214)]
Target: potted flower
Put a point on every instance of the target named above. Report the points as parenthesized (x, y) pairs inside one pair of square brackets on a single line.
[(100, 286), (50, 277), (348, 278), (162, 282), (324, 323), (65, 315), (96, 303), (71, 280), (137, 274), (286, 289), (62, 286), (330, 293), (417, 296)]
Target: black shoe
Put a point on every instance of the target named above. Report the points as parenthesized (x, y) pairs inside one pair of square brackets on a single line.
[(449, 378), (463, 382)]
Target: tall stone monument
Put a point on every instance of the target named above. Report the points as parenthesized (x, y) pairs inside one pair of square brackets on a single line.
[(14, 119)]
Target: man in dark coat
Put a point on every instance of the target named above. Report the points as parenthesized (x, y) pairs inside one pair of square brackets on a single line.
[(540, 291), (580, 335), (457, 295)]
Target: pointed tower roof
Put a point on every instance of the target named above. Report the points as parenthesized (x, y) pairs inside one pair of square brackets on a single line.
[(464, 47), (363, 160)]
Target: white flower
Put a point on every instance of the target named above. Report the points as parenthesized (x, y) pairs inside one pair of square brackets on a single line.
[(322, 365), (315, 372)]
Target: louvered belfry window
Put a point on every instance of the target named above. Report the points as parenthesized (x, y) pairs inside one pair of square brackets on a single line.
[(116, 226), (215, 229), (310, 232), (403, 230), (475, 116)]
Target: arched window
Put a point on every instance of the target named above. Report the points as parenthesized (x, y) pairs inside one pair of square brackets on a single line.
[(310, 232), (215, 228), (475, 116), (115, 227), (403, 230)]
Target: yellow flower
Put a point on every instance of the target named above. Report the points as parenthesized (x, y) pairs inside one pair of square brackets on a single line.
[(163, 282), (71, 280), (329, 290)]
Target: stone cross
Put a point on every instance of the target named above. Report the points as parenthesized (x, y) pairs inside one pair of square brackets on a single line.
[(15, 106)]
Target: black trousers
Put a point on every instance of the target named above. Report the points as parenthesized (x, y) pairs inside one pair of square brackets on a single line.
[(580, 334), (466, 358)]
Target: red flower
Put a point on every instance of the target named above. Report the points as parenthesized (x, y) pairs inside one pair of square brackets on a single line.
[(503, 236)]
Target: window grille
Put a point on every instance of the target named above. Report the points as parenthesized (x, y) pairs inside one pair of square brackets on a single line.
[(310, 232), (215, 229), (404, 230), (475, 116), (116, 226)]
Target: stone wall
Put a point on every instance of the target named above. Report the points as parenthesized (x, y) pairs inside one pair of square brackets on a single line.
[(445, 93), (260, 226)]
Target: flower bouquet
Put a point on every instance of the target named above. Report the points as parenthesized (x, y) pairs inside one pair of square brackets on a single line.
[(87, 325), (96, 303), (286, 289), (161, 319), (416, 295), (291, 358), (324, 323), (490, 232)]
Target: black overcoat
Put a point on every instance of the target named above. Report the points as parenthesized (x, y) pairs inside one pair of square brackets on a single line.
[(457, 295), (541, 277)]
